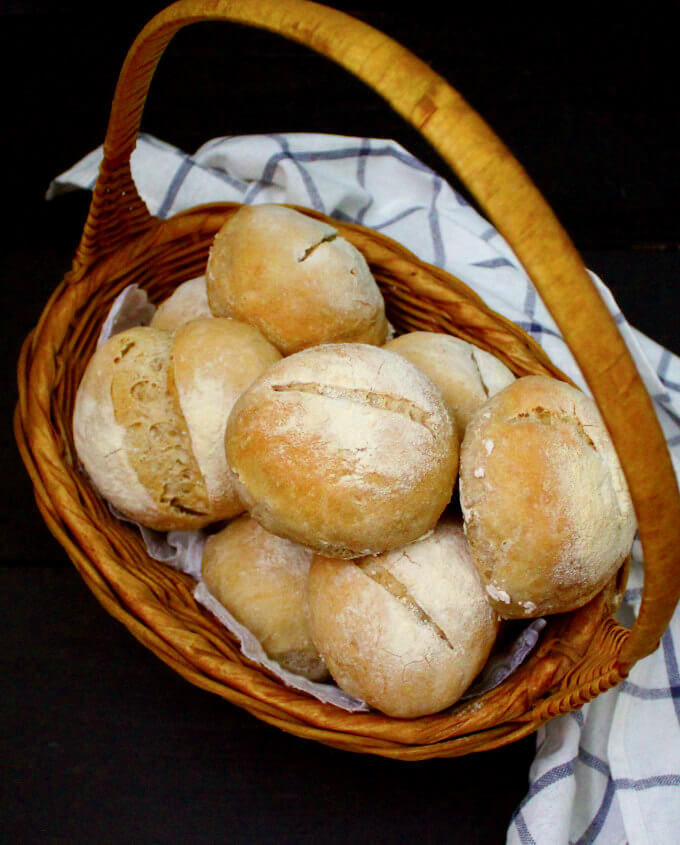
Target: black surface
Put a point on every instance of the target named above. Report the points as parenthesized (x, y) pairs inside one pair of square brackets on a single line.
[(100, 741), (104, 743)]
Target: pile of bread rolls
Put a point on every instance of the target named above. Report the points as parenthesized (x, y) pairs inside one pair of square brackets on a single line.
[(375, 506)]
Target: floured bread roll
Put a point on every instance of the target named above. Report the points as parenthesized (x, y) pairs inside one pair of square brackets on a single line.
[(408, 630), (261, 579), (546, 507), (150, 416), (188, 302), (214, 361), (345, 448), (295, 279), (466, 375)]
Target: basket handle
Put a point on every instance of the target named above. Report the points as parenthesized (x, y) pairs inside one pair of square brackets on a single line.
[(507, 196)]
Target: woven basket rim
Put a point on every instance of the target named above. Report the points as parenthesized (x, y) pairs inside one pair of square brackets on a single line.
[(50, 464)]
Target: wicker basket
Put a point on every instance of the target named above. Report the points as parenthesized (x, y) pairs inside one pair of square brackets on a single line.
[(581, 653)]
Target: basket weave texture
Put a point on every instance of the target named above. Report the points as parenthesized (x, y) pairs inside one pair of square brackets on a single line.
[(580, 654)]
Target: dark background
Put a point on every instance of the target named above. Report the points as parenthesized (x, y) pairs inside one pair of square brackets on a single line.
[(99, 740)]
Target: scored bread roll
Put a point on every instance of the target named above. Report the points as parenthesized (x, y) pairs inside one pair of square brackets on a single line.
[(150, 416), (295, 279), (188, 302), (131, 437), (261, 579), (408, 630), (466, 375), (546, 506), (345, 448)]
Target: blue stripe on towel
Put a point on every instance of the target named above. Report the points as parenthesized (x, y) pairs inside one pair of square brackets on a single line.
[(492, 263), (175, 184), (671, 667), (595, 827)]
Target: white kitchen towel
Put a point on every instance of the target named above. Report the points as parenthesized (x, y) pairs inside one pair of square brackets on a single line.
[(609, 773)]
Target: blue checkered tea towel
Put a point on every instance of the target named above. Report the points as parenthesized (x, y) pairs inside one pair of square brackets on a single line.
[(610, 772)]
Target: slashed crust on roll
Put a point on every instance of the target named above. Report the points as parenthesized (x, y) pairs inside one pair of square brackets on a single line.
[(546, 506), (407, 630), (345, 448), (295, 278)]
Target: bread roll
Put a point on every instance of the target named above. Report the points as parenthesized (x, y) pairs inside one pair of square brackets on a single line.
[(546, 507), (261, 579), (131, 437), (408, 630), (344, 448), (466, 375), (295, 279), (150, 416), (188, 302), (214, 361)]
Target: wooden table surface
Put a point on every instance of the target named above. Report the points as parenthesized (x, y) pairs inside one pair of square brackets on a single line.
[(101, 741)]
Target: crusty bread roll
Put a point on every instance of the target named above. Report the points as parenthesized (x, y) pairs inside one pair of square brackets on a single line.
[(345, 448), (466, 375), (150, 416), (295, 279), (131, 437), (214, 361), (261, 579), (546, 507), (188, 302), (407, 631)]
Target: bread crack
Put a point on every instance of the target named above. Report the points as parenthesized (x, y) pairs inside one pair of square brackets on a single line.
[(545, 416), (373, 399), (130, 344), (156, 436), (177, 505), (377, 572), (475, 363), (310, 249)]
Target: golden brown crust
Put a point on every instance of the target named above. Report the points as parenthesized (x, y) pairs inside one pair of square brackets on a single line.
[(188, 302), (466, 375), (151, 413), (407, 631), (214, 361), (261, 579), (295, 279), (345, 448), (131, 436), (547, 511)]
